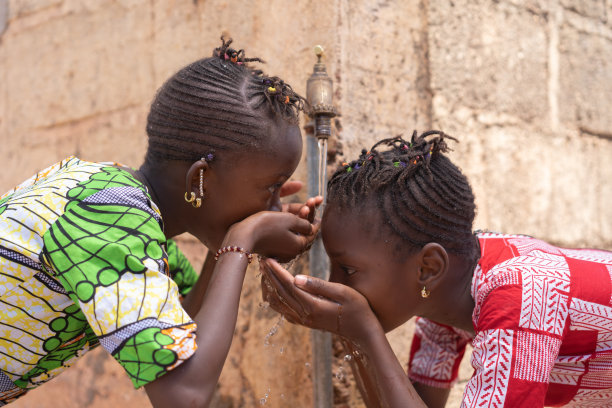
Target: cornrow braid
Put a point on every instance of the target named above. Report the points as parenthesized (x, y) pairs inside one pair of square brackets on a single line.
[(216, 104), (421, 195)]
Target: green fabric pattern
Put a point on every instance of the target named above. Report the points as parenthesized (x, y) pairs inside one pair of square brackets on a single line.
[(182, 272)]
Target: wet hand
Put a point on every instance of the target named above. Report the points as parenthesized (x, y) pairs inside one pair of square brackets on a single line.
[(316, 303), (304, 210), (273, 234)]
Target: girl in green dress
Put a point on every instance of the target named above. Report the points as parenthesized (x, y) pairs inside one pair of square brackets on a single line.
[(85, 254)]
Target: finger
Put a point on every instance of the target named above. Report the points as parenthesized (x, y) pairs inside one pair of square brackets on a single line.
[(283, 309), (312, 304), (314, 202), (320, 287), (302, 226), (290, 187), (305, 213), (293, 208), (282, 282)]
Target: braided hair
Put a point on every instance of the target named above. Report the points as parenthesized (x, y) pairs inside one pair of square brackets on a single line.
[(217, 103), (420, 194)]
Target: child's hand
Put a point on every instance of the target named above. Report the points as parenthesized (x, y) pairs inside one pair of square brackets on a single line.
[(306, 210), (279, 235), (316, 303)]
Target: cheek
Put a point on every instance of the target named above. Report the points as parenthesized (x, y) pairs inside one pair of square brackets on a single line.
[(388, 303)]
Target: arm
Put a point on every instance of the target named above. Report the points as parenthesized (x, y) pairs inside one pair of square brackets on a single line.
[(365, 383), (193, 301), (434, 397)]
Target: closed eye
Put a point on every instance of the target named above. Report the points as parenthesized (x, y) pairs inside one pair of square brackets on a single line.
[(349, 271)]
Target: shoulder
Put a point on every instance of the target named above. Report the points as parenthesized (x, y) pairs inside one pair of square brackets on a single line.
[(528, 287)]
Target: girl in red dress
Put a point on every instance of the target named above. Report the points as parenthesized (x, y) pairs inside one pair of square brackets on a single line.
[(398, 231)]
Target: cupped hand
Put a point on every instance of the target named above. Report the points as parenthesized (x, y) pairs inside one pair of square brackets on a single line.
[(316, 303), (278, 235)]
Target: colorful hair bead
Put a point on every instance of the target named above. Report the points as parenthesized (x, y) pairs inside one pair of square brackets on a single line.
[(349, 169), (209, 157), (404, 147), (287, 99), (396, 164), (271, 89), (357, 166), (234, 59), (344, 163)]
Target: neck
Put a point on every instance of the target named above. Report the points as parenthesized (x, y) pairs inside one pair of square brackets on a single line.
[(453, 305), (166, 194)]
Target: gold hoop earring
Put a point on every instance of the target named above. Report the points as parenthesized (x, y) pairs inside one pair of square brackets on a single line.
[(191, 198), (425, 293), (197, 203)]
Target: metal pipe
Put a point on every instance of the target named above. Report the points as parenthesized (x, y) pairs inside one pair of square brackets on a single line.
[(319, 267), (319, 91)]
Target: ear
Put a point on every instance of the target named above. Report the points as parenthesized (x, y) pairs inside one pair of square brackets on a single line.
[(192, 178), (432, 262)]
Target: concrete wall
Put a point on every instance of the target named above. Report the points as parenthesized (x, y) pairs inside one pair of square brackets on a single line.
[(525, 85)]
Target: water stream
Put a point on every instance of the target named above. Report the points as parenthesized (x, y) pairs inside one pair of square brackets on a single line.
[(322, 174)]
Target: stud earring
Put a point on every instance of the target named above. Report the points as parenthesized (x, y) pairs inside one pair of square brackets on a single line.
[(191, 197), (425, 293)]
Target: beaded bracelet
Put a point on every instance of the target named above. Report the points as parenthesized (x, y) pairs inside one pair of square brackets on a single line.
[(237, 249)]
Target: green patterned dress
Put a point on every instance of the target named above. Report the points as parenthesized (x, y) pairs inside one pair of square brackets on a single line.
[(84, 261)]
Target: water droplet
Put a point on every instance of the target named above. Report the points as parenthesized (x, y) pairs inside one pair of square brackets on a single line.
[(282, 396), (340, 373), (282, 350), (264, 305), (348, 357), (307, 365), (262, 401), (273, 330)]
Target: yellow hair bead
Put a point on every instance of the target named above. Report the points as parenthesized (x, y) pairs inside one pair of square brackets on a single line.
[(272, 89)]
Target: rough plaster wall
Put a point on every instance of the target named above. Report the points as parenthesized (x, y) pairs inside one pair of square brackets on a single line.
[(526, 86)]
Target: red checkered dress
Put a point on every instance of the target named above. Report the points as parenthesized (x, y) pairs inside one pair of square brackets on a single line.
[(543, 322)]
